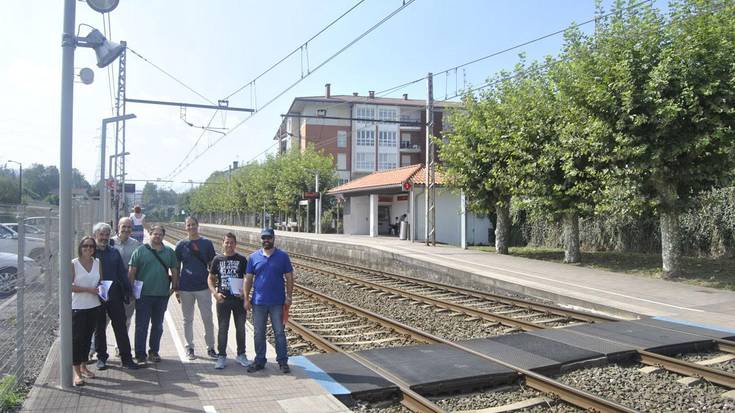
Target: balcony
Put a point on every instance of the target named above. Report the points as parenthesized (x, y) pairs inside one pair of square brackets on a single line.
[(410, 123), (408, 147)]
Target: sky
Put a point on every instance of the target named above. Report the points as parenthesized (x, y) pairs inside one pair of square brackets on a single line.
[(218, 46)]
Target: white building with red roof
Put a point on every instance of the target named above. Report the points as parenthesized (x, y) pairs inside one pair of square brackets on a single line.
[(375, 205)]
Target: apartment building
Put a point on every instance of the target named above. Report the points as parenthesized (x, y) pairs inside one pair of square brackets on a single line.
[(364, 134)]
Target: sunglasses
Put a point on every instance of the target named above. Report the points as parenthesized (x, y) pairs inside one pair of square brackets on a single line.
[(266, 238), (88, 245)]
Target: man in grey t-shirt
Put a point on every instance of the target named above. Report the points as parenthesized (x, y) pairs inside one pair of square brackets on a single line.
[(125, 244)]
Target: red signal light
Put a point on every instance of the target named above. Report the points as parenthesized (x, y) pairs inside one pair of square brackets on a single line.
[(407, 186)]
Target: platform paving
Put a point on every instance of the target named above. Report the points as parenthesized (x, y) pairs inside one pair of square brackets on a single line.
[(619, 294), (179, 385)]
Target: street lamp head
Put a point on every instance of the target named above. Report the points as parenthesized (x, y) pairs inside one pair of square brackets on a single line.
[(105, 50)]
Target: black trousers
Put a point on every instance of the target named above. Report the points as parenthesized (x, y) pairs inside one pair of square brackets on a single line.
[(115, 309), (83, 323), (234, 306)]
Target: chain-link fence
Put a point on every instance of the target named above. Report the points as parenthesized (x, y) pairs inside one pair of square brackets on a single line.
[(29, 315)]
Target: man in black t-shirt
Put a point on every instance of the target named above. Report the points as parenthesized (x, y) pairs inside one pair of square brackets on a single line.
[(225, 268)]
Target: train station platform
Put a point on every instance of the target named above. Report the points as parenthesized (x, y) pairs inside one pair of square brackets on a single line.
[(177, 384), (622, 295)]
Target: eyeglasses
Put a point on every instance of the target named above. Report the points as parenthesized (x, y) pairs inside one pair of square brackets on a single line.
[(88, 246)]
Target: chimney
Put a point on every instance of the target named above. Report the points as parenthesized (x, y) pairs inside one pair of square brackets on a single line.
[(371, 93), (327, 90), (354, 93), (405, 96)]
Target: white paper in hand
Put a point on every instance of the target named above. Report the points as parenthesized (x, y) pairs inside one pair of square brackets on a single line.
[(137, 288), (236, 286), (103, 289)]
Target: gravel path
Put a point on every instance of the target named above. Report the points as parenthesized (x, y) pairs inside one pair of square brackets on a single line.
[(728, 366), (659, 392), (444, 324)]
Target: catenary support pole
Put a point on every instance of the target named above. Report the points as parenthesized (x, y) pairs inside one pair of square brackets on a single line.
[(429, 193), (20, 297), (65, 180)]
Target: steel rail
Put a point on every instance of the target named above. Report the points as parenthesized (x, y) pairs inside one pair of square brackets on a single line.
[(726, 346), (545, 308), (411, 400), (551, 309), (539, 382), (721, 377), (485, 315)]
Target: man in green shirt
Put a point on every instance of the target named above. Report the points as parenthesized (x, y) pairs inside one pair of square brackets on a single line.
[(155, 265)]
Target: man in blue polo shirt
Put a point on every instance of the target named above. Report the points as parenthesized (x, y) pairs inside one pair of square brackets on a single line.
[(269, 275)]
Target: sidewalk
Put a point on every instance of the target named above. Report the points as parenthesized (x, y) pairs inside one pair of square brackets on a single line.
[(565, 284)]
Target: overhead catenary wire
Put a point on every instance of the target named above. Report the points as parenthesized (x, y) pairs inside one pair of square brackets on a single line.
[(446, 71), (292, 85), (298, 49), (174, 78)]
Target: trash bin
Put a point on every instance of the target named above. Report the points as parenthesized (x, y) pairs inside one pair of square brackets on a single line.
[(404, 231)]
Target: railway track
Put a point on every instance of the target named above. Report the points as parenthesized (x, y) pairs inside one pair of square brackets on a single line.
[(322, 323)]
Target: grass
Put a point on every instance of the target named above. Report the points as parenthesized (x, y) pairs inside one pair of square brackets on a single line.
[(706, 272), (10, 396)]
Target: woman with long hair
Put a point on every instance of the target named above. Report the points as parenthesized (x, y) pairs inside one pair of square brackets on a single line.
[(85, 304)]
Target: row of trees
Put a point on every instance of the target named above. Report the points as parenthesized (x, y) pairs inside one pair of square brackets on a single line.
[(273, 186), (637, 117), (40, 183)]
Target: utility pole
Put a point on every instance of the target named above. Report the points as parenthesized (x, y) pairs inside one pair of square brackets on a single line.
[(317, 207), (430, 191), (65, 179), (120, 112)]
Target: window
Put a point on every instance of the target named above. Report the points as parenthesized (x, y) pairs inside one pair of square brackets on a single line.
[(321, 112), (386, 114), (364, 161), (387, 138), (365, 138), (341, 139), (365, 112), (341, 161), (342, 181), (386, 161), (405, 160)]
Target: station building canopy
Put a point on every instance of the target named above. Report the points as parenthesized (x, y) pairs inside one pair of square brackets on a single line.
[(391, 181)]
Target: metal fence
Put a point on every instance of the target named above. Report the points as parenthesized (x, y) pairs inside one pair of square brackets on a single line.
[(29, 302)]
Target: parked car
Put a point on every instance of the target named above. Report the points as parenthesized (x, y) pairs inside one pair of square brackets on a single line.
[(40, 222), (34, 247), (9, 272), (31, 230)]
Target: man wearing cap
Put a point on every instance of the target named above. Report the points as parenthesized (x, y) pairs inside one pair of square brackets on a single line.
[(269, 275)]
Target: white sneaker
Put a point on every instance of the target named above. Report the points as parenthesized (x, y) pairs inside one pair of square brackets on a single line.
[(220, 363), (243, 360)]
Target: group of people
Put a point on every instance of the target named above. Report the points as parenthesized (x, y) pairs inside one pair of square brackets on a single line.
[(114, 278)]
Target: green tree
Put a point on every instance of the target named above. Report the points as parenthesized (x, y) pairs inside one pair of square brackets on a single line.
[(8, 190), (663, 87), (476, 154)]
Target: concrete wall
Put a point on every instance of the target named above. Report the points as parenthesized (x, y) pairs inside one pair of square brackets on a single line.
[(448, 219), (357, 222)]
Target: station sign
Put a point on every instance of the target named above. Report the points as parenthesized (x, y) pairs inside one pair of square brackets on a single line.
[(310, 195)]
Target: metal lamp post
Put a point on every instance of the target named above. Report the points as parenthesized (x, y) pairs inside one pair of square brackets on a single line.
[(103, 144), (106, 53), (106, 204)]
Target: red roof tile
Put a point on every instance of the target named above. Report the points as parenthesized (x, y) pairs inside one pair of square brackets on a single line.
[(415, 174)]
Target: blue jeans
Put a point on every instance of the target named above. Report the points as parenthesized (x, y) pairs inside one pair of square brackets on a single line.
[(149, 310), (260, 317)]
